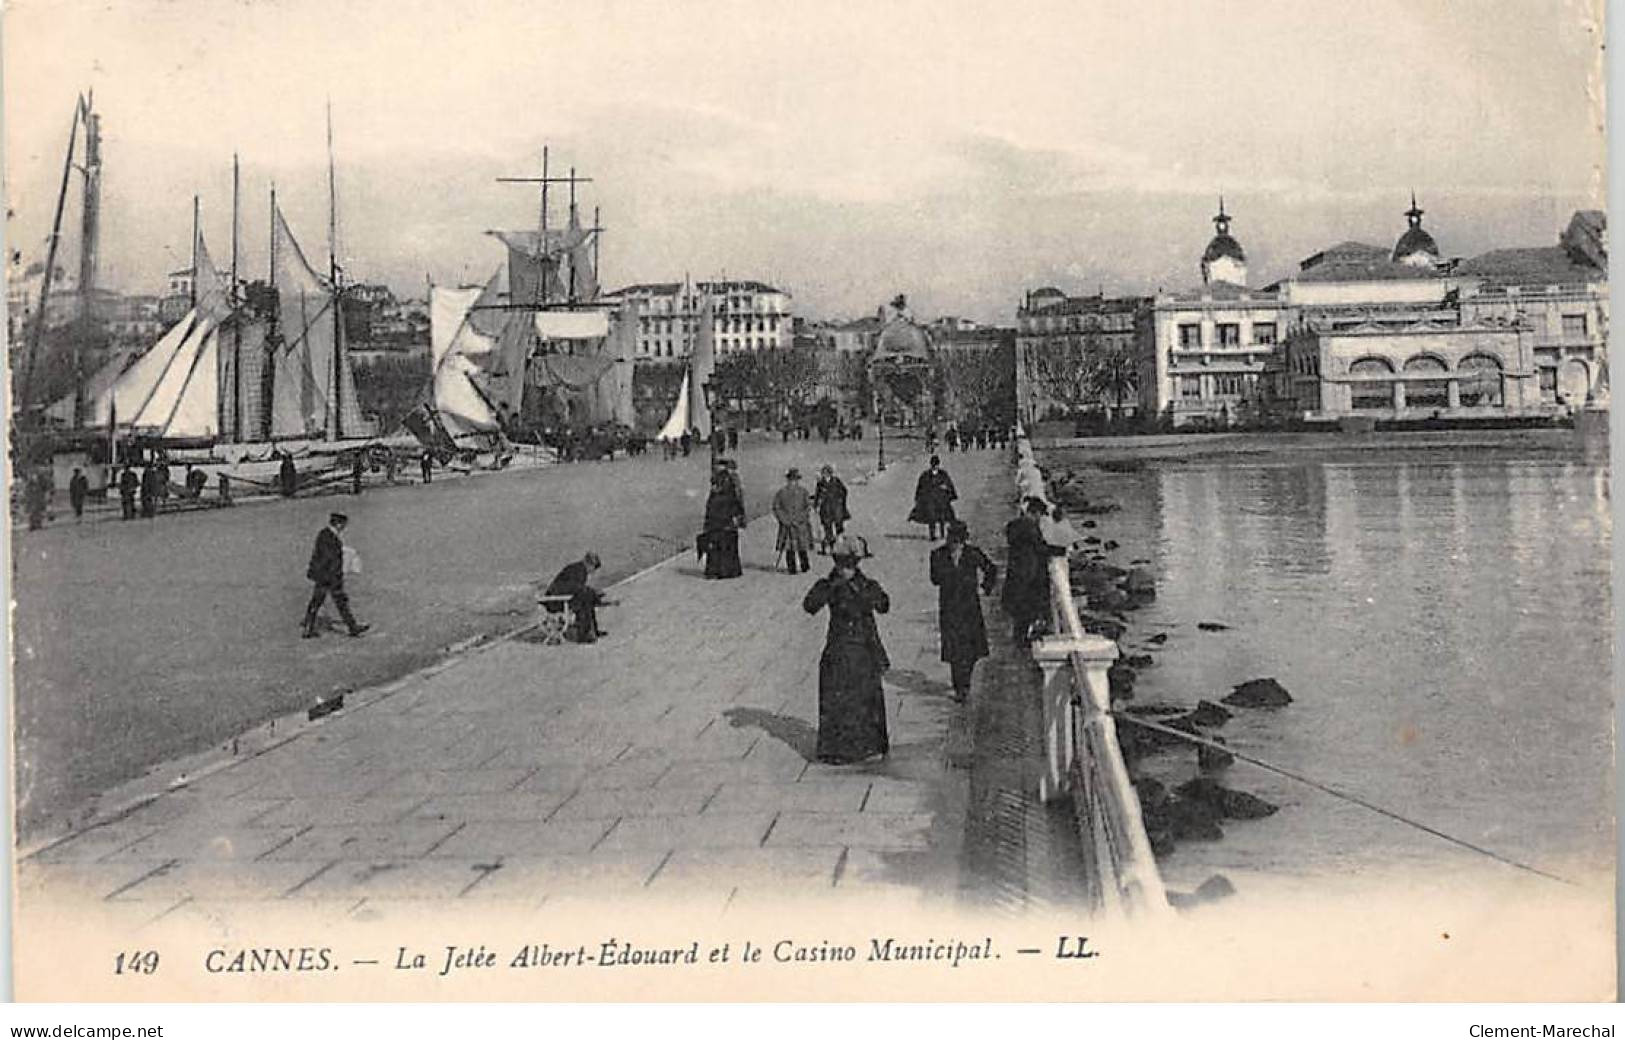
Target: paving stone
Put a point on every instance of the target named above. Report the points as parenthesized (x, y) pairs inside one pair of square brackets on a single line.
[(217, 880), (96, 843), (745, 770), (507, 841), (458, 781), (194, 842), (408, 838), (397, 879), (533, 878), (380, 808), (865, 830), (611, 803), (826, 795), (711, 830), (812, 867), (513, 806)]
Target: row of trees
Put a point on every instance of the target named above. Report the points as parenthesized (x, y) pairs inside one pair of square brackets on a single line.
[(1082, 377)]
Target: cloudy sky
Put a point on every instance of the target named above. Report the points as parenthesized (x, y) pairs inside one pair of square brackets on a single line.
[(959, 152)]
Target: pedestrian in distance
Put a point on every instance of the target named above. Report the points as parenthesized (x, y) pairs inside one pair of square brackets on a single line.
[(426, 464), (830, 498), (326, 572), (287, 475), (149, 491), (358, 470), (851, 701), (78, 491), (792, 508), (575, 581), (934, 496), (687, 442), (962, 574), (223, 482), (128, 484)]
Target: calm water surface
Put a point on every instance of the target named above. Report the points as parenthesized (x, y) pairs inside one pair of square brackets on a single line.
[(1443, 621)]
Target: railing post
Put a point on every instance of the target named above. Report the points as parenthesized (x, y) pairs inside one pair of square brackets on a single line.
[(1053, 655)]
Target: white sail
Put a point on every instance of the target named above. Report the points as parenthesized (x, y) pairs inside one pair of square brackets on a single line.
[(154, 414), (678, 420), (135, 386), (463, 408), (196, 409), (572, 324)]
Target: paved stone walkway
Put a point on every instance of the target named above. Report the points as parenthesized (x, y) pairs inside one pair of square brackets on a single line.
[(670, 760)]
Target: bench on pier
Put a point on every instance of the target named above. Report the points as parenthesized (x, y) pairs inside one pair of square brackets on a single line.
[(554, 618)]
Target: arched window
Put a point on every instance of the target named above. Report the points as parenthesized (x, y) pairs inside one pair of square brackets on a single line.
[(1480, 384), (1425, 392), (1373, 384)]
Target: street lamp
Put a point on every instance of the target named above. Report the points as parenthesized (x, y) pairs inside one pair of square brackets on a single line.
[(709, 393)]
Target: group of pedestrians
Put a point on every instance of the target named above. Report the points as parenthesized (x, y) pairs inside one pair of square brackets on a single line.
[(978, 437)]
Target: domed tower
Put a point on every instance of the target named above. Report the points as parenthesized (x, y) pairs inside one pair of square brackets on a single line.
[(1415, 247), (1223, 260)]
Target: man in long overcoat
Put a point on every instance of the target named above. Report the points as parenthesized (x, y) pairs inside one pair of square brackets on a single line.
[(792, 508), (957, 569), (128, 484), (78, 491), (933, 498), (1026, 582), (326, 571)]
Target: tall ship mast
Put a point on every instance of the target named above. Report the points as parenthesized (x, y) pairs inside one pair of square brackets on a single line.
[(536, 347)]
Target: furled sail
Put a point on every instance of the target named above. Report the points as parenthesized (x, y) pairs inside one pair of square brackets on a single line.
[(312, 366), (583, 284), (615, 387), (454, 340), (701, 365), (535, 265)]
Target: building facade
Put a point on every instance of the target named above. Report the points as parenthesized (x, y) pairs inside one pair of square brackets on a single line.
[(1408, 336), (745, 315), (1064, 348)]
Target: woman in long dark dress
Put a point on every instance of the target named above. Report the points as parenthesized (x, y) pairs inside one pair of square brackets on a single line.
[(955, 570), (719, 540), (851, 705)]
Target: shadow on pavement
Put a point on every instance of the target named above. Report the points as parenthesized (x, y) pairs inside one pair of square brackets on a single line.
[(797, 734)]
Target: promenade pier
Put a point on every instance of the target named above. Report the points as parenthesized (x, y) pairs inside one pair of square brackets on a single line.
[(671, 760)]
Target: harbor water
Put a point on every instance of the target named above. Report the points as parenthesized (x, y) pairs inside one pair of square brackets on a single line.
[(1442, 618)]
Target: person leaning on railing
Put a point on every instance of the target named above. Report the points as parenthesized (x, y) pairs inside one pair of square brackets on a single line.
[(1026, 583)]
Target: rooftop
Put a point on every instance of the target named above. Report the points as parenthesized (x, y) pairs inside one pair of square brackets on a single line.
[(1540, 265)]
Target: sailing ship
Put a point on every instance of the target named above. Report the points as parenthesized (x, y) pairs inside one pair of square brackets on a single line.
[(534, 352), (242, 378)]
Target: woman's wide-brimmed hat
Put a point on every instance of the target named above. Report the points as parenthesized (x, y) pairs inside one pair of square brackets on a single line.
[(849, 547), (792, 474)]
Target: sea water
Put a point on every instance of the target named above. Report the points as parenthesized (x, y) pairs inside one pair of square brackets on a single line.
[(1443, 620)]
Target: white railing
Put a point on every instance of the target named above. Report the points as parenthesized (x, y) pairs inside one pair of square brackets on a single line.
[(1083, 757)]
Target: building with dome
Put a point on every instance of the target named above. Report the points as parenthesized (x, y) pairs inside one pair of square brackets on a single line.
[(1415, 247), (1223, 260), (1203, 354)]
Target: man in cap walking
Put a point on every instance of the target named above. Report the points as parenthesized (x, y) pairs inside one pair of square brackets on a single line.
[(326, 570)]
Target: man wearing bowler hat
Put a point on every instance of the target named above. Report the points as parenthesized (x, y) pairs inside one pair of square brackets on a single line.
[(326, 570)]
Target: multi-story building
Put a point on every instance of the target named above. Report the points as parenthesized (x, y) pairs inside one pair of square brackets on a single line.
[(1062, 345), (745, 315), (1203, 354), (1405, 335)]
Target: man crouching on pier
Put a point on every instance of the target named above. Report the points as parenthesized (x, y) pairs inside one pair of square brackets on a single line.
[(584, 599)]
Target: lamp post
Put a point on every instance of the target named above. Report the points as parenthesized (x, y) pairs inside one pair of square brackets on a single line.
[(880, 422), (709, 393)]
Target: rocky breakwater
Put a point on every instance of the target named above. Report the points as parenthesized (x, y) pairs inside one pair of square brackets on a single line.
[(1176, 755)]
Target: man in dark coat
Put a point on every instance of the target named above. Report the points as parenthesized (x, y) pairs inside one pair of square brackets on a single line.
[(955, 570), (1026, 582), (128, 484), (851, 702), (78, 491), (326, 570), (830, 498), (933, 498), (149, 491), (585, 600), (427, 464), (287, 475)]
